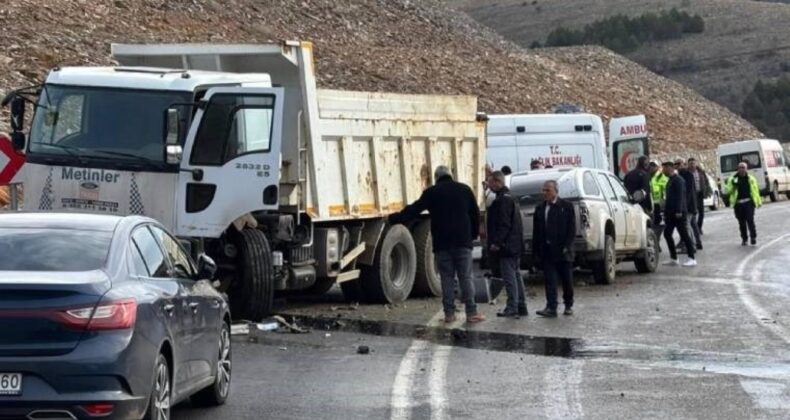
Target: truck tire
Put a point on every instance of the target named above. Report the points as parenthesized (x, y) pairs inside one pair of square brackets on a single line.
[(391, 277), (648, 262), (426, 281), (604, 270), (252, 292), (774, 194)]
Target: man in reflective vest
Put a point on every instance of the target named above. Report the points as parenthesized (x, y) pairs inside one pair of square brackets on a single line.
[(658, 187), (744, 194)]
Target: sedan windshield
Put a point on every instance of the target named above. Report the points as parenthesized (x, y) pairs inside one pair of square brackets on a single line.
[(53, 249), (102, 123)]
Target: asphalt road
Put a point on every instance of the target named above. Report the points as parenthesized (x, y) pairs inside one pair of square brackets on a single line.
[(709, 342)]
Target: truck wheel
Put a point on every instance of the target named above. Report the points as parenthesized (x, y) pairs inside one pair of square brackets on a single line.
[(391, 277), (426, 281), (774, 194), (252, 292), (649, 260), (604, 270)]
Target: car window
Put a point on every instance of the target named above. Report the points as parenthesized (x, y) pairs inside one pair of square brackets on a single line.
[(152, 255), (34, 249), (607, 188), (619, 189), (589, 185), (181, 261), (136, 259)]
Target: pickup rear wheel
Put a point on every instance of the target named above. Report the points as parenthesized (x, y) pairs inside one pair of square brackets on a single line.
[(391, 277), (648, 262), (604, 270), (252, 291), (774, 194), (426, 280)]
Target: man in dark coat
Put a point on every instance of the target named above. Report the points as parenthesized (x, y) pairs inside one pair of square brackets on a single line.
[(455, 223), (675, 213), (639, 180), (553, 232), (691, 203), (505, 239), (701, 189)]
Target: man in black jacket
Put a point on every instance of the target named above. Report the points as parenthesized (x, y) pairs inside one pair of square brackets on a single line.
[(675, 214), (639, 180), (455, 223), (505, 238), (691, 202), (553, 232)]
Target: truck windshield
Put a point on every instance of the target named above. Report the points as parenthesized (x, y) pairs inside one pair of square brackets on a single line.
[(106, 124)]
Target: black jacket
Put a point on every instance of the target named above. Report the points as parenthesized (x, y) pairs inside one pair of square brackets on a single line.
[(455, 215), (553, 241), (676, 196), (639, 179), (691, 196), (503, 225)]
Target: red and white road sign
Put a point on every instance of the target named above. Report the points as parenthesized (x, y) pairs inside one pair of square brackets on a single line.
[(10, 161)]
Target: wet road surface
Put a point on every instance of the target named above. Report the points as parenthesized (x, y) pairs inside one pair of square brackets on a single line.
[(709, 342)]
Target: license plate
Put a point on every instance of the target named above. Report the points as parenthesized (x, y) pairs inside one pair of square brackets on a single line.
[(10, 383)]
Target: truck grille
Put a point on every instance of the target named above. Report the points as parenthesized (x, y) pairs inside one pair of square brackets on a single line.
[(300, 255)]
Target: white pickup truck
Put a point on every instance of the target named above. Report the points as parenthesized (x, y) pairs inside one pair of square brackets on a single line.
[(235, 149)]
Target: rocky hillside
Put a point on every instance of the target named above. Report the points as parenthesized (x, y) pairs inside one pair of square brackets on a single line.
[(384, 45), (744, 40)]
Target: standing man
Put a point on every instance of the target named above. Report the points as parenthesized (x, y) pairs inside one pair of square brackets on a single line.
[(743, 191), (691, 202), (455, 223), (701, 189), (675, 215), (638, 179), (658, 187), (505, 237), (554, 228)]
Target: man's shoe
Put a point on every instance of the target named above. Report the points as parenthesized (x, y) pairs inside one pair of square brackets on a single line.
[(507, 314), (672, 262), (547, 313), (568, 311), (690, 263), (449, 319), (475, 318), (743, 243), (699, 247), (754, 241), (523, 311)]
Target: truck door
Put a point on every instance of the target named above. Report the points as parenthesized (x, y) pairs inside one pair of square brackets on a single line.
[(632, 214), (617, 210), (231, 161)]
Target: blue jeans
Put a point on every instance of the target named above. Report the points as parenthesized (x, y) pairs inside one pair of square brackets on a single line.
[(511, 276), (454, 263)]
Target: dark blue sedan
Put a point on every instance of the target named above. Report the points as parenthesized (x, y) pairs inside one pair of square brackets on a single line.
[(106, 317)]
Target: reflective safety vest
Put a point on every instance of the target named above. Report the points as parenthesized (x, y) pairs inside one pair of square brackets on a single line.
[(658, 187), (731, 190)]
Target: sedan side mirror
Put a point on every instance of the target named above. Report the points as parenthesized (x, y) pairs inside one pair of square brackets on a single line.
[(207, 268)]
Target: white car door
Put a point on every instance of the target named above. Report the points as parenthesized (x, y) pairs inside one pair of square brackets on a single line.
[(632, 214), (618, 212)]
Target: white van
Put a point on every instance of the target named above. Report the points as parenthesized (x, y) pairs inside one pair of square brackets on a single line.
[(565, 140), (767, 162)]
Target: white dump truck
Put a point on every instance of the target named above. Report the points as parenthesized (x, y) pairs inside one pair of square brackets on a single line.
[(235, 149)]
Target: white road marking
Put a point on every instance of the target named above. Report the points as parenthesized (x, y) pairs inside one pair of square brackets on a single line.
[(757, 310), (768, 395), (562, 396), (402, 401)]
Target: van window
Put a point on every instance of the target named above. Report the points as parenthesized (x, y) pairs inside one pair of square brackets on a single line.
[(774, 159), (729, 163)]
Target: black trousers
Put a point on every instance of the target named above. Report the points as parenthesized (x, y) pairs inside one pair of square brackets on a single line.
[(744, 212), (672, 222), (556, 272), (700, 210)]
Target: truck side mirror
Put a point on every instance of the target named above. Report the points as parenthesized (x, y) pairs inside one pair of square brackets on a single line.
[(173, 150), (18, 140), (17, 106)]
